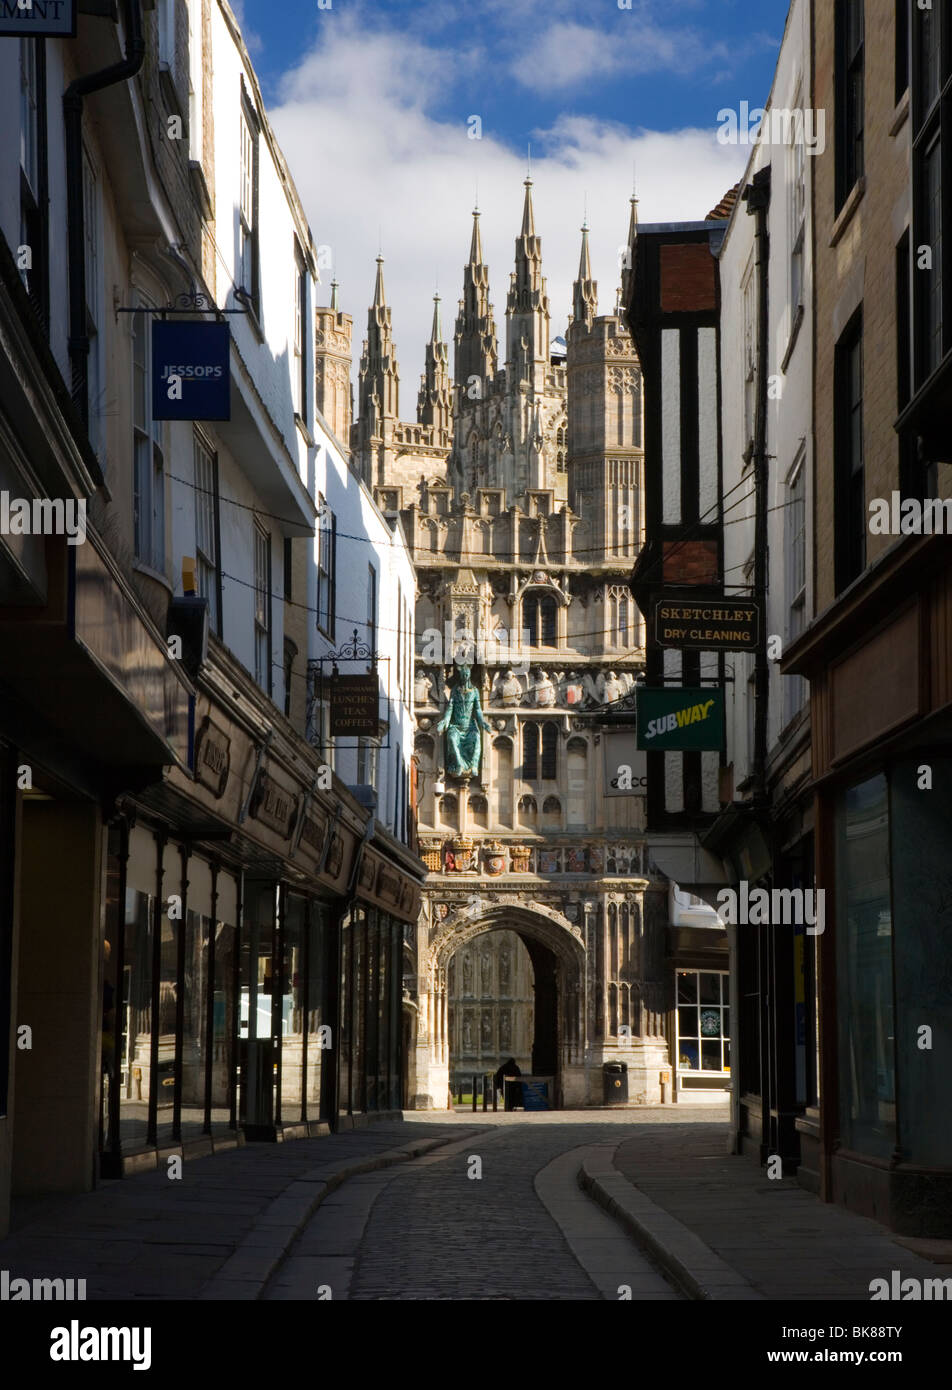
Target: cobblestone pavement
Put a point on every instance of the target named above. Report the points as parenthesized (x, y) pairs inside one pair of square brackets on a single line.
[(521, 1230)]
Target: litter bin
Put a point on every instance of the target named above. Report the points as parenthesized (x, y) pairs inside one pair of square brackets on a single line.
[(615, 1078)]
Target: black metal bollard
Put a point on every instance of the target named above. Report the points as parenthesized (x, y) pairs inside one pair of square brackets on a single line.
[(474, 1093), (485, 1095)]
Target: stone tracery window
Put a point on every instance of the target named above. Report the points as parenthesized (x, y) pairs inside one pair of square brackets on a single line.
[(540, 619)]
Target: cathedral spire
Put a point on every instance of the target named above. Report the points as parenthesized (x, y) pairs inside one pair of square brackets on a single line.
[(585, 289), (334, 304), (436, 332), (475, 335)]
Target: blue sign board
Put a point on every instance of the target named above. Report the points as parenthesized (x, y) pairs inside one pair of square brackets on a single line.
[(38, 18), (535, 1095), (190, 370)]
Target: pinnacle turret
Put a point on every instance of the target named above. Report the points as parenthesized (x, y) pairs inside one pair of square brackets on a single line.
[(475, 335), (434, 401), (585, 289), (527, 306)]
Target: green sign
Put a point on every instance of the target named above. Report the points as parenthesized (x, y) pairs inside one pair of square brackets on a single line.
[(682, 719)]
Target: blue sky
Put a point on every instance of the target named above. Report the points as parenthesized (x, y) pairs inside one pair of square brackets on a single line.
[(373, 100)]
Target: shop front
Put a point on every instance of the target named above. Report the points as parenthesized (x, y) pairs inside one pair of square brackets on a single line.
[(882, 780)]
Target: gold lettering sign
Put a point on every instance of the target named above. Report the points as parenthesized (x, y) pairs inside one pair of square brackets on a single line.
[(212, 757), (273, 805)]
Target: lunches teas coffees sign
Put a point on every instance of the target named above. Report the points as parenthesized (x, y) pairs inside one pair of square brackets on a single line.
[(354, 706), (680, 720)]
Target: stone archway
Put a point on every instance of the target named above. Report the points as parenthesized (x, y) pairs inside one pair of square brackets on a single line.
[(539, 926)]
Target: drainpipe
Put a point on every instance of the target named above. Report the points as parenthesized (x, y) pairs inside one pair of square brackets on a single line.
[(757, 197), (78, 340)]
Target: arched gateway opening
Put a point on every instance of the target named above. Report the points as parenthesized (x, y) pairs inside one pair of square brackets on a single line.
[(556, 969)]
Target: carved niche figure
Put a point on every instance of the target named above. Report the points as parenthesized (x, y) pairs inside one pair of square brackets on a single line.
[(486, 966), (468, 1032), (544, 690), (424, 688), (507, 688), (467, 973), (612, 689), (504, 969), (462, 723), (571, 690)]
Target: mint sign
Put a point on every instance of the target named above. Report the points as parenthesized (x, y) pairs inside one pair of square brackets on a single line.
[(37, 19)]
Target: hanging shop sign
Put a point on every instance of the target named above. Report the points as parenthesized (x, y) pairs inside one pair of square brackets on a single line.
[(713, 625), (354, 702), (680, 720), (190, 370), (38, 18)]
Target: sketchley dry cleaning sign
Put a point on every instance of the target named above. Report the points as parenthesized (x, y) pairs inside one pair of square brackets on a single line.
[(717, 624), (354, 706), (190, 377), (682, 719), (38, 18)]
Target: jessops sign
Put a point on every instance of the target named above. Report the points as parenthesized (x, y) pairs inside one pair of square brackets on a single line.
[(680, 720), (190, 376), (38, 18)]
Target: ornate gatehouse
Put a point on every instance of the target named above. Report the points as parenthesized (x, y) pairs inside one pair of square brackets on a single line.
[(519, 489)]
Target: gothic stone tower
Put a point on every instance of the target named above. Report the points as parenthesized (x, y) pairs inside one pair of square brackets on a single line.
[(523, 537)]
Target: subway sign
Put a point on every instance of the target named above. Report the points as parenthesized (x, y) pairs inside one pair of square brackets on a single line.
[(681, 720), (26, 19), (716, 624), (190, 370)]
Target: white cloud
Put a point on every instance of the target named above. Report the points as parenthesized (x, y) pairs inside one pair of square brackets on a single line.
[(370, 161)]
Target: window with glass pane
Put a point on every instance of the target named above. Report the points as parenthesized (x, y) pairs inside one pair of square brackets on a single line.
[(703, 1020), (326, 553), (248, 206), (929, 285), (149, 463), (794, 687), (530, 752), (292, 1009), (206, 546), (849, 85), (168, 994), (797, 161), (223, 1027), (262, 621), (197, 943), (319, 1046), (550, 752), (136, 1021), (864, 971)]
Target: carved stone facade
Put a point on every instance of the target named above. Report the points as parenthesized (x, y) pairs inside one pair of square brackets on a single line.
[(491, 1003), (522, 509)]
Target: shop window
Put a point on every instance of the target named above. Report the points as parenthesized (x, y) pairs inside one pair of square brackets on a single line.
[(864, 970), (703, 1024), (849, 87)]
